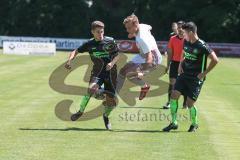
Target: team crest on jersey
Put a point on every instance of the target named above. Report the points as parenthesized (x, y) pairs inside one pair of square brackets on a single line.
[(109, 47)]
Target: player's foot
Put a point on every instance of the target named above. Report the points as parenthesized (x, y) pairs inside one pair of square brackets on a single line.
[(77, 115), (170, 127), (143, 92), (166, 106), (106, 122), (193, 128)]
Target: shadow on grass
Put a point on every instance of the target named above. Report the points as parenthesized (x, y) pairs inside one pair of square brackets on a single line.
[(143, 107), (95, 130), (232, 84)]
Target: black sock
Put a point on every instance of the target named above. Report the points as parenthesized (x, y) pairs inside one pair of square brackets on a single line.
[(170, 87)]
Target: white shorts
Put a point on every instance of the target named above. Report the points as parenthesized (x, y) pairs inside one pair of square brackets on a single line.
[(139, 58)]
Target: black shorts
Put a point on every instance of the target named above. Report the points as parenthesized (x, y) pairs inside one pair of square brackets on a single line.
[(108, 78), (189, 86), (173, 72)]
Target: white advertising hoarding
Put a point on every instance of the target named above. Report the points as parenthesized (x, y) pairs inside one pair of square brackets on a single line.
[(61, 43), (29, 48), (222, 49)]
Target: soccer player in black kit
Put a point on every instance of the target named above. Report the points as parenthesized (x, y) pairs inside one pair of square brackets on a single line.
[(193, 70), (103, 52)]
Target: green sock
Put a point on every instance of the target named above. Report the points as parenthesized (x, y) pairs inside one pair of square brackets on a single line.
[(84, 102), (174, 108), (108, 110), (193, 115)]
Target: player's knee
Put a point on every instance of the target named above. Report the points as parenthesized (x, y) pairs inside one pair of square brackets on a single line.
[(175, 94), (190, 102), (126, 69), (172, 81), (111, 101)]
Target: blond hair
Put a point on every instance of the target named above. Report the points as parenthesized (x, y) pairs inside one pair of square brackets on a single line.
[(132, 18)]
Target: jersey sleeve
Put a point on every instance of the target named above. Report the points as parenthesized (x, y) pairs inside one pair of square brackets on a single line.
[(206, 49), (146, 48), (83, 48)]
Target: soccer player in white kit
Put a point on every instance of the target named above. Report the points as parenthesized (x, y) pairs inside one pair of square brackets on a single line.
[(144, 62)]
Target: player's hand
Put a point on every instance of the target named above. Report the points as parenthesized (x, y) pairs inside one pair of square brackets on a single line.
[(68, 66), (201, 76), (180, 69), (109, 66)]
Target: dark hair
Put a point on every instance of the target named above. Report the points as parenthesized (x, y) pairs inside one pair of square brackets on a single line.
[(96, 24), (190, 26), (180, 23)]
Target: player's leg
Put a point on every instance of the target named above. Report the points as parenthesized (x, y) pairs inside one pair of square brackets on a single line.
[(194, 88), (111, 102), (173, 109), (138, 62), (109, 105), (133, 76), (122, 75), (184, 101), (92, 89), (176, 93), (174, 105), (99, 94), (173, 73), (193, 114), (130, 71), (172, 81)]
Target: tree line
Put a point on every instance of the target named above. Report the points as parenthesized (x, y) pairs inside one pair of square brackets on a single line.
[(217, 20)]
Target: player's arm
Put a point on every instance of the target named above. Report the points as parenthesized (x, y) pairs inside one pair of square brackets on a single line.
[(73, 54), (214, 60), (180, 69), (169, 54), (169, 58), (114, 53), (112, 63)]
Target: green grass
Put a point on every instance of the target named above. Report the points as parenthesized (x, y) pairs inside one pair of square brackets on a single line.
[(31, 131)]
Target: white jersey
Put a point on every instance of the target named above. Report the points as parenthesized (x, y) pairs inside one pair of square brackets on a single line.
[(146, 43)]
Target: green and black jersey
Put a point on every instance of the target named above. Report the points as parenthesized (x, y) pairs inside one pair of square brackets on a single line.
[(195, 57), (101, 52)]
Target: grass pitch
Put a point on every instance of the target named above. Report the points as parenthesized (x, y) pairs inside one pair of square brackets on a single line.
[(30, 129)]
